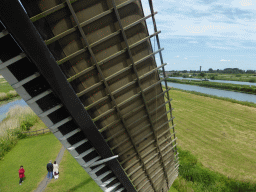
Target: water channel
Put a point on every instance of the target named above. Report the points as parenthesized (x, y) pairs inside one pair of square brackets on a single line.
[(5, 108), (217, 92), (221, 93), (218, 81)]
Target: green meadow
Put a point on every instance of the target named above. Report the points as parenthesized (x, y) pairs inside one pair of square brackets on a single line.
[(33, 153), (216, 144), (221, 134)]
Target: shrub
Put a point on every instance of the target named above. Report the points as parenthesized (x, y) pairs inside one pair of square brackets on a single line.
[(238, 75), (6, 96), (3, 96), (252, 80)]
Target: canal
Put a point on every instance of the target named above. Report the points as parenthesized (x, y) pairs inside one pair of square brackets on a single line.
[(217, 92), (218, 81)]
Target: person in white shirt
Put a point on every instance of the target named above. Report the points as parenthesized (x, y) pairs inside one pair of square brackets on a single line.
[(55, 170)]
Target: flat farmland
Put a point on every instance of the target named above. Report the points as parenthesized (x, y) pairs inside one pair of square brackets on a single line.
[(219, 133)]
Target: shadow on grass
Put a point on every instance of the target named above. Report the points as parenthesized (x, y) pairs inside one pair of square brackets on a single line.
[(80, 185)]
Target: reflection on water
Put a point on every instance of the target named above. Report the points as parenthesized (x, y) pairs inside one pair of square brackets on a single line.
[(217, 92), (5, 108)]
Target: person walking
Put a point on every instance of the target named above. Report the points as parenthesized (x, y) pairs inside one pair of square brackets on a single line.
[(49, 167), (55, 170), (21, 174)]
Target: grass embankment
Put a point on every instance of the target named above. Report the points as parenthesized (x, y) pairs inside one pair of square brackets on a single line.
[(224, 86), (219, 133), (18, 119), (6, 91), (33, 153), (193, 176)]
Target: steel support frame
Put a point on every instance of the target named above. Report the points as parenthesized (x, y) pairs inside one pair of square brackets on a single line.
[(29, 39), (143, 96), (160, 53)]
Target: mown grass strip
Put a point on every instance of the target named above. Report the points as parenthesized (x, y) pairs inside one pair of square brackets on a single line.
[(33, 153), (249, 104)]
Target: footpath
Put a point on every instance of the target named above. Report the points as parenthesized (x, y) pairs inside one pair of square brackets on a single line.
[(44, 183)]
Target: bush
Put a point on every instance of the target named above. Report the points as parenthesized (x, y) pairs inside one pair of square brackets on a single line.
[(9, 95), (238, 75), (252, 80)]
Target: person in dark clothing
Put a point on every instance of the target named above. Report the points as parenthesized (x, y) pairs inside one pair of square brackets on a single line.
[(49, 167), (21, 174)]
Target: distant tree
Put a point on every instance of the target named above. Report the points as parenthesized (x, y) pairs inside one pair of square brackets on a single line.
[(210, 70), (250, 71), (212, 77), (202, 74)]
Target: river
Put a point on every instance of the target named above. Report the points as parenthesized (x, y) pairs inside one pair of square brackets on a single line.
[(217, 92), (218, 81)]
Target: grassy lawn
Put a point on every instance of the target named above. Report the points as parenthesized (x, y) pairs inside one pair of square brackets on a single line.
[(5, 86), (219, 133), (74, 178), (6, 91), (33, 153)]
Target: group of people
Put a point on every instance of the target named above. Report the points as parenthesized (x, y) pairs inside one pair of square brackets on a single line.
[(53, 171)]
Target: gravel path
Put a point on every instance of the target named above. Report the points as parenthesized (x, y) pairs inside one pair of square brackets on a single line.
[(44, 183)]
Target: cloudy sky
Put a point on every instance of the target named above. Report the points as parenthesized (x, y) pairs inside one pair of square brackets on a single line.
[(210, 33)]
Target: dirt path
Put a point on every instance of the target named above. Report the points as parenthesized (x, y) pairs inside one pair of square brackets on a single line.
[(41, 187)]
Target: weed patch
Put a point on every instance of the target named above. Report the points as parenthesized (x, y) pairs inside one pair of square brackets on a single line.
[(18, 119)]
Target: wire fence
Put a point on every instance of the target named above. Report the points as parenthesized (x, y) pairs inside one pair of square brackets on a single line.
[(37, 132)]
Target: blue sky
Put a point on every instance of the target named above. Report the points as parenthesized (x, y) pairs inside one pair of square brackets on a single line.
[(214, 34)]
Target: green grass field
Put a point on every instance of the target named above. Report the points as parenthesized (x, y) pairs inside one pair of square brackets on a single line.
[(73, 178), (33, 153), (220, 133), (5, 86), (6, 91)]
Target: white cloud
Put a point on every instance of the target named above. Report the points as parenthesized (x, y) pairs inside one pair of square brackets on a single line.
[(246, 2), (224, 60), (185, 58), (177, 56)]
